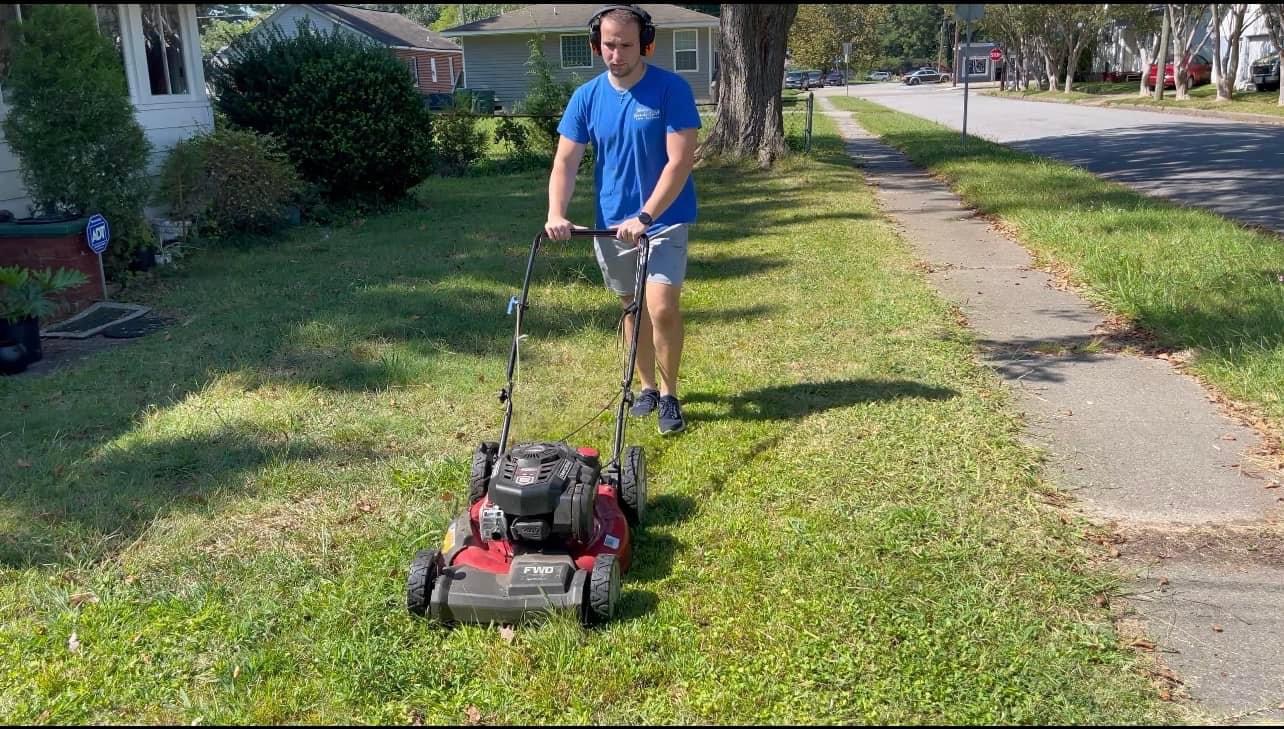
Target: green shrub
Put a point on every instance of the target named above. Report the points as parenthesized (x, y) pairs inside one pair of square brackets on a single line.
[(345, 109), (229, 181), (72, 126), (457, 143), (547, 98)]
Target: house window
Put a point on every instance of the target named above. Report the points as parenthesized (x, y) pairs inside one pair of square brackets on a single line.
[(686, 51), (163, 46), (412, 64), (977, 66), (575, 52), (433, 63)]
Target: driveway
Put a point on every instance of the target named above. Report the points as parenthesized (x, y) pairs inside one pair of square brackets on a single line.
[(1231, 167)]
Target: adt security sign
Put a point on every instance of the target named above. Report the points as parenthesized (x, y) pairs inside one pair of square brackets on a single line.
[(98, 234)]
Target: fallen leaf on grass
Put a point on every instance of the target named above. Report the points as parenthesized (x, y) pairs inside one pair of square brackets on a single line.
[(81, 598), (1143, 644), (365, 507), (507, 633), (1165, 695), (1100, 599), (236, 673), (416, 717), (24, 463), (73, 643), (473, 714)]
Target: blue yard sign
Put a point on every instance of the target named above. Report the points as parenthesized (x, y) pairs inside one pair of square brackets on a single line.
[(98, 234)]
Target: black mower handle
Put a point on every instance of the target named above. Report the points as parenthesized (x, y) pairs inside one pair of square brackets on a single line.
[(587, 233)]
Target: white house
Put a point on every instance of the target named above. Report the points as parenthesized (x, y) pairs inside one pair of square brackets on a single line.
[(161, 49), (1115, 55)]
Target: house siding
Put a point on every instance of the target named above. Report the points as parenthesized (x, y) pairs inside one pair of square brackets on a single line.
[(498, 62), (445, 61)]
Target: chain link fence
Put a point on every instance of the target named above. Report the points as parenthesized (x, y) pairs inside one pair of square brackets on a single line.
[(520, 149)]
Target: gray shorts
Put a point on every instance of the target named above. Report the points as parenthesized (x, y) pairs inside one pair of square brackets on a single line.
[(668, 264)]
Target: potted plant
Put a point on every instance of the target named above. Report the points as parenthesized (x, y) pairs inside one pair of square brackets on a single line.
[(26, 296)]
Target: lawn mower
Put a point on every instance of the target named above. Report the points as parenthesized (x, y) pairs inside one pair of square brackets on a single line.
[(548, 526)]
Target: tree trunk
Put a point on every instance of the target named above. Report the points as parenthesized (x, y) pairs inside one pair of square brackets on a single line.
[(1050, 67), (1162, 55), (749, 123), (1227, 69), (1145, 64)]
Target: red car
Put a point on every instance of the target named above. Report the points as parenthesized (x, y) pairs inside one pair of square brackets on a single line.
[(1199, 71)]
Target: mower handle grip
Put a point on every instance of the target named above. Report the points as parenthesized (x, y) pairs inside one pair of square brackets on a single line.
[(587, 233)]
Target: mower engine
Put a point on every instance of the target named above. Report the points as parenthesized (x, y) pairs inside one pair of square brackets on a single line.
[(539, 492)]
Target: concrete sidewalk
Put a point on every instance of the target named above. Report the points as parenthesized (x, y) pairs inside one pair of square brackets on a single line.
[(1140, 446)]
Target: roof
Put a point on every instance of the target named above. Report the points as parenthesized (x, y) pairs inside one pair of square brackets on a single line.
[(391, 29), (570, 16)]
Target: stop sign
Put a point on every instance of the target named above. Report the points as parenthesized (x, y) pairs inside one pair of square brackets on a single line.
[(996, 54)]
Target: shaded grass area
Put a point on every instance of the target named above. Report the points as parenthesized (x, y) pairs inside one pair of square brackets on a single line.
[(1189, 277), (851, 530)]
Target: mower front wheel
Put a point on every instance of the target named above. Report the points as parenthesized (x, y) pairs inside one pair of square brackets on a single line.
[(603, 590), (633, 486), (424, 570)]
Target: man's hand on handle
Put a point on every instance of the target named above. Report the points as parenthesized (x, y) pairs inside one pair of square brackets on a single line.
[(558, 228), (630, 230)]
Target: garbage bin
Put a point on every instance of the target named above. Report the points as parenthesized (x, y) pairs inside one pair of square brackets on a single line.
[(40, 243)]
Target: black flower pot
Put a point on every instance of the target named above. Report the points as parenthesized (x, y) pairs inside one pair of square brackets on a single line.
[(25, 332), (13, 357)]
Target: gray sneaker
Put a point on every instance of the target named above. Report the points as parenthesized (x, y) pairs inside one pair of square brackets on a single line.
[(671, 420), (646, 403)]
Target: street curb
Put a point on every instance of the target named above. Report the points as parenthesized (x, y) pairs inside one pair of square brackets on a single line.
[(1238, 116)]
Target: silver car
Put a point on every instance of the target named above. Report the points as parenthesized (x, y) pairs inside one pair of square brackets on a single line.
[(923, 76), (879, 75)]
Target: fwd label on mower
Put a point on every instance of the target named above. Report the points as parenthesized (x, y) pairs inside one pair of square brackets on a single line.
[(534, 578)]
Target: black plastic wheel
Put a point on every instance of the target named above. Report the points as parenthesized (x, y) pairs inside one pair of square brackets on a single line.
[(583, 500), (483, 460), (603, 589), (424, 570), (633, 486)]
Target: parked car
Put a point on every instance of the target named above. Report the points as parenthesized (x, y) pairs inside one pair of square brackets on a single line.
[(813, 80), (1198, 72), (1266, 73), (835, 78), (795, 79), (924, 76), (879, 75)]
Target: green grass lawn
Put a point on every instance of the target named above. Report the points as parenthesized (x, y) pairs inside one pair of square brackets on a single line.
[(1191, 278), (1125, 94), (1205, 97), (213, 523)]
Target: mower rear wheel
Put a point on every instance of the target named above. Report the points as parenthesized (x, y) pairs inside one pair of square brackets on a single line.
[(483, 461), (633, 486), (424, 570), (603, 589)]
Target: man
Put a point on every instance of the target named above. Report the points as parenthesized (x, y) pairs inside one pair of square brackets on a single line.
[(642, 122)]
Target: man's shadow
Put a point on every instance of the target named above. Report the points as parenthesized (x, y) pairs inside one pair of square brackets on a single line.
[(791, 402)]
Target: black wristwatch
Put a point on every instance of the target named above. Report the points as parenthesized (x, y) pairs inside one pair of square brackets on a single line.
[(645, 218)]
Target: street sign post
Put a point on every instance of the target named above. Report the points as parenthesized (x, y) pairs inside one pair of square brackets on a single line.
[(968, 14), (98, 236), (847, 67)]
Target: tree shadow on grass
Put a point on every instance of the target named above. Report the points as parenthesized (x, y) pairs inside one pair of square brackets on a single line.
[(792, 402)]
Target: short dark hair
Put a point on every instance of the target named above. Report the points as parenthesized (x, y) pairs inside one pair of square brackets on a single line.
[(621, 15)]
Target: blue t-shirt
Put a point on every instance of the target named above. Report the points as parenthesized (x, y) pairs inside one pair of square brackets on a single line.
[(628, 132)]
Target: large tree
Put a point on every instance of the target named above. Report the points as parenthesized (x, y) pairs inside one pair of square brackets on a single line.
[(911, 31), (819, 31), (749, 124), (1225, 65), (1188, 35)]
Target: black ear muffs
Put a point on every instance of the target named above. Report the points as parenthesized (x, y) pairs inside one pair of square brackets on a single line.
[(595, 28)]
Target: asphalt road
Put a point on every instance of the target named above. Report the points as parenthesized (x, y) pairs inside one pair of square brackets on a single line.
[(1232, 167)]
